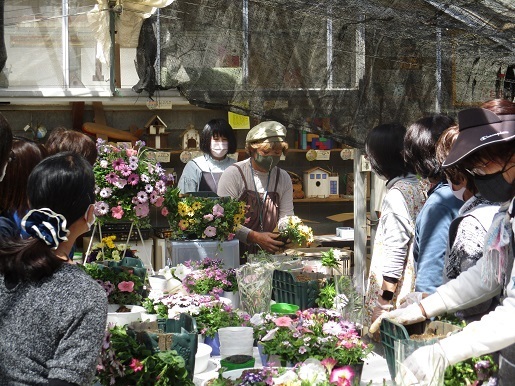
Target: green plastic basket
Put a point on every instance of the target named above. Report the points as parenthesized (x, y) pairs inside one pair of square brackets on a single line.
[(392, 332), (288, 289)]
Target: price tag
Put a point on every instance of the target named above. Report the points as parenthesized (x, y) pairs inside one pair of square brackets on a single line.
[(162, 156), (323, 155)]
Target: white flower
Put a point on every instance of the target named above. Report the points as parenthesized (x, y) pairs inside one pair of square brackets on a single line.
[(313, 372), (104, 163), (181, 271), (257, 320), (270, 335), (287, 378)]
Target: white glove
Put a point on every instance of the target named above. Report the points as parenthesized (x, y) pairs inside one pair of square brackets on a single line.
[(426, 366), (380, 309), (409, 315), (412, 298)]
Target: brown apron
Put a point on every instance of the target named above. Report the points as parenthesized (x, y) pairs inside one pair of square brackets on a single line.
[(263, 215)]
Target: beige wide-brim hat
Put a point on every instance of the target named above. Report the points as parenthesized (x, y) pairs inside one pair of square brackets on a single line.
[(479, 128), (268, 131)]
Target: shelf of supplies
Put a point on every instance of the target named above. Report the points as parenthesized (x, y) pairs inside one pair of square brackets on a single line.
[(290, 150), (326, 200), (175, 151)]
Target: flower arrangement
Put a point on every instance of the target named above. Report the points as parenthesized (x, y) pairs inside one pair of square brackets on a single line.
[(172, 305), (208, 277), (203, 217), (128, 180), (293, 229), (106, 249), (314, 333), (126, 361), (311, 372), (121, 284), (215, 315), (209, 312)]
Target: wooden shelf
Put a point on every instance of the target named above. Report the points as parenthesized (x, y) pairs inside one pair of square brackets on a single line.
[(325, 200), (174, 151)]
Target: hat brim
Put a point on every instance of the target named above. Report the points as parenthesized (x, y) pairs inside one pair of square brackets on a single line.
[(268, 139), (475, 138)]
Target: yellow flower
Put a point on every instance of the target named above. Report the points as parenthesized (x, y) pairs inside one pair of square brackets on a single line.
[(182, 209), (183, 224), (109, 241), (238, 218), (196, 205)]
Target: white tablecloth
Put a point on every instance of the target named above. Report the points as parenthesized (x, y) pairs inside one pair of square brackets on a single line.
[(375, 370)]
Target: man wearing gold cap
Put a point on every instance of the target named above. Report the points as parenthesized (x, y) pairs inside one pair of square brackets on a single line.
[(266, 189)]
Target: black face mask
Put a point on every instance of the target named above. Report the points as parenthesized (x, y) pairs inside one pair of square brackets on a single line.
[(494, 187)]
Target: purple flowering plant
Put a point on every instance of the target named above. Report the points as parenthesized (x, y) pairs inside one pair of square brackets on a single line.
[(128, 180), (121, 284), (311, 372), (211, 218), (314, 333), (209, 277)]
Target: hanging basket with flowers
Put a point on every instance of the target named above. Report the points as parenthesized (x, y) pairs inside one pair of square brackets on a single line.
[(128, 181), (203, 218)]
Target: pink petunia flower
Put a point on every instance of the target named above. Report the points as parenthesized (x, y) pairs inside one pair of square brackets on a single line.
[(329, 363), (342, 376), (164, 211), (136, 365), (126, 286), (159, 201), (117, 212), (218, 210), (283, 321), (230, 236), (208, 217), (131, 152), (210, 231), (142, 210)]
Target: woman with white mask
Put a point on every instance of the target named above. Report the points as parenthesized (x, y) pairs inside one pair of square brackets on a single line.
[(202, 173), (392, 271)]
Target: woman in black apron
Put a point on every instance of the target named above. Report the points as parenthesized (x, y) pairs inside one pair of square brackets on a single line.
[(202, 173), (265, 188)]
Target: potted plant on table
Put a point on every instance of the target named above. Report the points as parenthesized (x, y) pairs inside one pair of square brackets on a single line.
[(126, 360), (311, 372), (314, 333), (124, 291), (209, 277), (107, 250)]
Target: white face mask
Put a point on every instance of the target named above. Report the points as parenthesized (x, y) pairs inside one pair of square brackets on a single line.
[(457, 193), (3, 172), (219, 148), (92, 222)]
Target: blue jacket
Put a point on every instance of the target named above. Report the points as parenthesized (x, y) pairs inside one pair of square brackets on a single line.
[(431, 235)]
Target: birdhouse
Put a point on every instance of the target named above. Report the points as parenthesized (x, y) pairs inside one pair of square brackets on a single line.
[(190, 138), (155, 125), (316, 183), (156, 136)]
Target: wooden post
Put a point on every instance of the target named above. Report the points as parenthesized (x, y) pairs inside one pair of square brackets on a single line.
[(360, 223)]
